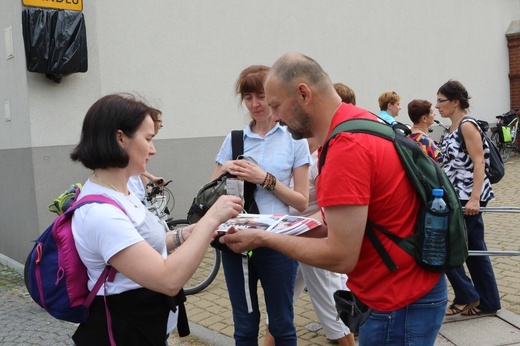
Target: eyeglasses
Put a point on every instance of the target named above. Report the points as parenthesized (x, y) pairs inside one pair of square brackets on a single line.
[(442, 100)]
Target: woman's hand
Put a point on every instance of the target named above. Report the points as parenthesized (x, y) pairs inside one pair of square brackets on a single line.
[(221, 169), (472, 207), (247, 171), (225, 208)]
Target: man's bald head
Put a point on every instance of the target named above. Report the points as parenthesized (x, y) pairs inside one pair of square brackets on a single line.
[(294, 68)]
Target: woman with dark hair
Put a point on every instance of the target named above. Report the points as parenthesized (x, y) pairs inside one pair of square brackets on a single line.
[(116, 143), (277, 157), (465, 166), (421, 115)]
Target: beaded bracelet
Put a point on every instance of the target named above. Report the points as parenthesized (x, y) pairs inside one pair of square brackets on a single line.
[(269, 182), (272, 185), (265, 180)]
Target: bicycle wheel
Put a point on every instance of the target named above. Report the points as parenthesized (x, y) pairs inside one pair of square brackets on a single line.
[(208, 268), (504, 148)]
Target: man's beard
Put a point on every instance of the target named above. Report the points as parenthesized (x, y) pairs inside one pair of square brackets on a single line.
[(301, 127)]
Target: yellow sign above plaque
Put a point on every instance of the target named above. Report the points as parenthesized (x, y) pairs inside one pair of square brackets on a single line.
[(74, 5)]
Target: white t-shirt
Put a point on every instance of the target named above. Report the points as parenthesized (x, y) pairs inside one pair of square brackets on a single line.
[(313, 207), (102, 230), (135, 184)]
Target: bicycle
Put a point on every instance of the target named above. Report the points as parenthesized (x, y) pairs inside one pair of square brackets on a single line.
[(160, 201), (504, 134)]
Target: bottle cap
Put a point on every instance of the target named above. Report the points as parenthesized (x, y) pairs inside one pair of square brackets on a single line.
[(438, 192)]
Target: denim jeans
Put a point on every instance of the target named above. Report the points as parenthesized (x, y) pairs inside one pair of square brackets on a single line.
[(416, 324), (276, 273), (482, 284)]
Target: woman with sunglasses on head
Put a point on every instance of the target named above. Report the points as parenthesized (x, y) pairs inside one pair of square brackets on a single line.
[(465, 166), (272, 158)]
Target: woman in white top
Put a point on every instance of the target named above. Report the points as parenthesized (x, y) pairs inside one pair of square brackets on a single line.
[(116, 143), (137, 183)]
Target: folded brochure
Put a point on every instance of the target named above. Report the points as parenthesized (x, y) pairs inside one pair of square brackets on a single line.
[(276, 223)]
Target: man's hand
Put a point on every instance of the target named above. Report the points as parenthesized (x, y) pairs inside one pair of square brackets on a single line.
[(241, 240)]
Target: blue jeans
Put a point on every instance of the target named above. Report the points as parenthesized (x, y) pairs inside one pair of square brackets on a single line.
[(416, 324), (276, 273), (482, 284)]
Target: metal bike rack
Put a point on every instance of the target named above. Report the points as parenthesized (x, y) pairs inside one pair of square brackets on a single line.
[(499, 209), (492, 252)]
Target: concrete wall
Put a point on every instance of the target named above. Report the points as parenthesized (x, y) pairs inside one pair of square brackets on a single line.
[(184, 57)]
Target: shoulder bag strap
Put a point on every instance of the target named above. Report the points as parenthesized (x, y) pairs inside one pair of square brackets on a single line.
[(461, 135), (237, 145)]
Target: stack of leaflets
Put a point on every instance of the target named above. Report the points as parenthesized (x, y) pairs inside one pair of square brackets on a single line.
[(276, 223)]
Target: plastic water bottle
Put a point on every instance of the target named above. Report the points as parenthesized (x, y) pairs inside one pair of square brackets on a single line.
[(435, 229)]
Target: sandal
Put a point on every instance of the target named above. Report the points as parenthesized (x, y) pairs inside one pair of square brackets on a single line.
[(477, 312), (454, 310)]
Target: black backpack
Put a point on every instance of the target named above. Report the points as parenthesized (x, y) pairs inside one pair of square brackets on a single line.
[(425, 175), (210, 192), (495, 171)]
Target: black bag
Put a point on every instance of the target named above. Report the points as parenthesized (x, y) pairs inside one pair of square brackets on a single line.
[(210, 192), (206, 197), (351, 310), (509, 117), (495, 171)]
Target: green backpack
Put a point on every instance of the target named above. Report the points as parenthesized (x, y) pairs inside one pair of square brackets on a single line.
[(425, 175)]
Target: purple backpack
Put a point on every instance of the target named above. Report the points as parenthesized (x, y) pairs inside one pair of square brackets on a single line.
[(54, 274)]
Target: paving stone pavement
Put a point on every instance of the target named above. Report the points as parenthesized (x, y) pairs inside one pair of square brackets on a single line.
[(22, 322)]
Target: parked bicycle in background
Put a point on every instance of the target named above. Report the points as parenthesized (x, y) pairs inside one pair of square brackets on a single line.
[(504, 134), (160, 201)]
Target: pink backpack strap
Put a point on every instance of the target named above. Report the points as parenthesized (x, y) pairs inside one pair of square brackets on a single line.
[(109, 272)]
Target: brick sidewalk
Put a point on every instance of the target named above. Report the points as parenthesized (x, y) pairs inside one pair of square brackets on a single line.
[(211, 307)]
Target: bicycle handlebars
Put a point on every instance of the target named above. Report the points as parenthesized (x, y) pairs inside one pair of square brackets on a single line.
[(513, 111), (156, 189)]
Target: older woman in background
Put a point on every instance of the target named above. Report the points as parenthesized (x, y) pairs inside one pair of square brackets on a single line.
[(421, 115)]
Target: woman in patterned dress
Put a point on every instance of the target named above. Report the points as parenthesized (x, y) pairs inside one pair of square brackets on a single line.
[(466, 169)]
